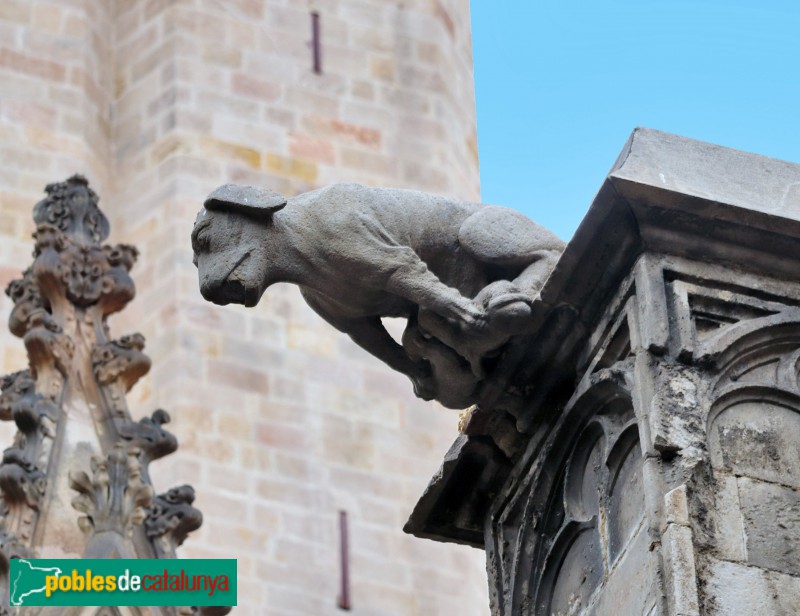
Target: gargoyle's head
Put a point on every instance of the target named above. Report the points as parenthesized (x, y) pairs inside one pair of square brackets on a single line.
[(231, 240)]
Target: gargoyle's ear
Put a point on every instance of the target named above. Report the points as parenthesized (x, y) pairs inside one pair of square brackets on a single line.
[(259, 203)]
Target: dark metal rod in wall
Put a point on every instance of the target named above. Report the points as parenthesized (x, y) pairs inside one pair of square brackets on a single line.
[(344, 550), (315, 43)]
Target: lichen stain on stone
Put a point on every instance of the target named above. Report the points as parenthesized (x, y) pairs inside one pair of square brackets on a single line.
[(683, 392), (739, 441)]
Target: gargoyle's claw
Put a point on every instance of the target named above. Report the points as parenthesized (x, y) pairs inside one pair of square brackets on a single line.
[(508, 313)]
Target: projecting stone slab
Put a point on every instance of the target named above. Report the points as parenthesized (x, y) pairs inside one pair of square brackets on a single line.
[(708, 201), (658, 161)]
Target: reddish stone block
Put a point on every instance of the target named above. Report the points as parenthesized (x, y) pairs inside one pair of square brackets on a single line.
[(281, 436), (23, 63), (244, 85), (313, 148), (238, 376), (17, 11)]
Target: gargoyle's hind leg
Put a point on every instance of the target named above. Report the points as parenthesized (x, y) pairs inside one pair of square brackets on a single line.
[(412, 280)]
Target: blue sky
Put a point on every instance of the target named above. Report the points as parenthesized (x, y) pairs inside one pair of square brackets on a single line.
[(560, 85)]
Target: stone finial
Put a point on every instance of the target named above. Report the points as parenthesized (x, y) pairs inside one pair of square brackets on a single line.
[(78, 378), (71, 206)]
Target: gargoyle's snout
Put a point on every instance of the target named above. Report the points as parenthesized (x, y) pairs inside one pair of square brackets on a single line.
[(214, 294), (230, 291)]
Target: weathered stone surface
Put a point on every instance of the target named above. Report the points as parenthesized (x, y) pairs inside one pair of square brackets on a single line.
[(771, 525), (114, 497), (670, 167), (579, 574), (728, 522), (680, 574), (738, 590), (632, 586), (71, 207), (626, 501), (759, 440), (22, 478), (120, 360), (149, 437), (359, 254), (28, 304)]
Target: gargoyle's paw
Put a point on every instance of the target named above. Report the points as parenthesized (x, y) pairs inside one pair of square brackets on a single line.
[(473, 313), (469, 316), (506, 299), (509, 314), (497, 296)]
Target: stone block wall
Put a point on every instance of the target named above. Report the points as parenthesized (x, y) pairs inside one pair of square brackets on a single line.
[(282, 421), (54, 119)]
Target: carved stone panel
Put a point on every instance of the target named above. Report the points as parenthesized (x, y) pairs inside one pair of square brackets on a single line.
[(583, 520), (604, 505)]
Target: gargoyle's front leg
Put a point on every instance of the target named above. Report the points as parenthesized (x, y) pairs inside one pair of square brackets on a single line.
[(412, 280), (371, 335)]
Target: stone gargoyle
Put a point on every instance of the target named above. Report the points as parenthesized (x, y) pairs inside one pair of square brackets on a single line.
[(464, 275)]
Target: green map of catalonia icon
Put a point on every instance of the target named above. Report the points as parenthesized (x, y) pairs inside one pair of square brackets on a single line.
[(29, 580)]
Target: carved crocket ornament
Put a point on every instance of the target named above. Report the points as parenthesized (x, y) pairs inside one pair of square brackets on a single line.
[(464, 275)]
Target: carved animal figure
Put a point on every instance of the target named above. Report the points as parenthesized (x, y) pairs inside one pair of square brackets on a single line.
[(464, 274)]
